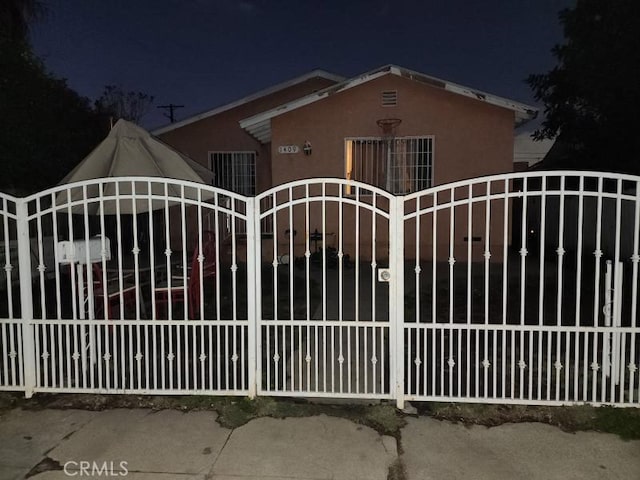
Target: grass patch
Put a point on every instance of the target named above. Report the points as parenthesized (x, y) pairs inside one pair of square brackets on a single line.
[(624, 422), (384, 418), (232, 412)]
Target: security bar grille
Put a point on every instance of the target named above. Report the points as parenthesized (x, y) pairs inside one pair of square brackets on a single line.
[(399, 165), (234, 171)]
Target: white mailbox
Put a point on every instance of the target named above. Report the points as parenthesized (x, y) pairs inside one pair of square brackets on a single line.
[(76, 251)]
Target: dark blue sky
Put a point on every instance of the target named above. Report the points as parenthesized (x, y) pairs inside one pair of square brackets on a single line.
[(204, 53)]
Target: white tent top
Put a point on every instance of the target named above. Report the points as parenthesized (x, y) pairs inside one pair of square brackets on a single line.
[(130, 150)]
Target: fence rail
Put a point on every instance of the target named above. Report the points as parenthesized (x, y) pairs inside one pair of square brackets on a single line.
[(517, 288)]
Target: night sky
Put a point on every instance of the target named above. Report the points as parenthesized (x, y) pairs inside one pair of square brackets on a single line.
[(204, 53)]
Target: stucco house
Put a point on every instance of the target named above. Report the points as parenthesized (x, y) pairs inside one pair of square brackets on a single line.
[(442, 132), (394, 128)]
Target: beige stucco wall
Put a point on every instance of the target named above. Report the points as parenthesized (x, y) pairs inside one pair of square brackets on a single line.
[(222, 132), (471, 139)]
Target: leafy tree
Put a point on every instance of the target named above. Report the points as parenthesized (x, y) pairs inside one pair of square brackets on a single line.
[(45, 127), (592, 97), (16, 16), (118, 103)]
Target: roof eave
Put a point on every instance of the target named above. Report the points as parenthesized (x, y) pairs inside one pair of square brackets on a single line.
[(523, 112), (262, 93)]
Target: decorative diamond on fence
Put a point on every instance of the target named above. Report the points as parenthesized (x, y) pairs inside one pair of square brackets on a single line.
[(234, 357), (171, 356), (135, 250), (486, 363), (202, 357), (341, 359), (44, 355), (595, 366), (452, 261), (8, 267), (597, 253), (307, 358), (276, 358), (632, 367), (138, 356), (487, 254), (523, 252), (418, 269), (167, 252), (12, 354), (451, 362), (107, 357), (417, 361), (558, 365), (374, 360), (75, 356)]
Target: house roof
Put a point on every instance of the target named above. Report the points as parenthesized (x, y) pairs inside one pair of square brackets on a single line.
[(259, 126), (526, 149), (250, 98)]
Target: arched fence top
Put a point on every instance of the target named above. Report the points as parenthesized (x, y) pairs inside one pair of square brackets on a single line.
[(327, 181), (357, 194), (509, 177), (132, 179), (133, 194), (358, 186)]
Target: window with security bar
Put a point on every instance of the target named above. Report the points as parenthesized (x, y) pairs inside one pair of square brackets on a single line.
[(234, 171), (399, 165)]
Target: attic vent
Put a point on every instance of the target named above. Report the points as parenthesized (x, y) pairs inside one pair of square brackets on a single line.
[(389, 98)]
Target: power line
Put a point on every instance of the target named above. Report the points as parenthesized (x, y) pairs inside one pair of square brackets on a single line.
[(171, 107)]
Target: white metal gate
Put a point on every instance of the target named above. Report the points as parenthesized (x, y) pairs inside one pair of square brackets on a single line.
[(514, 298), (518, 288), (129, 285), (324, 326)]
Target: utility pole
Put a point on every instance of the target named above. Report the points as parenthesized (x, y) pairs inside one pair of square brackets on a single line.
[(171, 107)]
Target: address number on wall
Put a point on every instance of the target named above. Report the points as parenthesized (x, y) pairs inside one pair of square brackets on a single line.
[(288, 149)]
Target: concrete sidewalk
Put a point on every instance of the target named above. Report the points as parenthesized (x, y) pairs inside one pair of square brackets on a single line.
[(145, 444)]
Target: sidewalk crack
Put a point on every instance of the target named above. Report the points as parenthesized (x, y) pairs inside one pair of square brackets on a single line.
[(210, 475)]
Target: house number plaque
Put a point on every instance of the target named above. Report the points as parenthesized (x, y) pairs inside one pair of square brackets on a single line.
[(288, 149)]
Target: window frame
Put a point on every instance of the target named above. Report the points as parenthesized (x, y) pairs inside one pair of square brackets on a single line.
[(248, 191), (430, 152)]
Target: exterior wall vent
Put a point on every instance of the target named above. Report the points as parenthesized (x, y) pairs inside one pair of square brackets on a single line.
[(389, 98)]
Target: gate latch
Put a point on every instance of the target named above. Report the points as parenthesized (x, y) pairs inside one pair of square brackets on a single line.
[(384, 275)]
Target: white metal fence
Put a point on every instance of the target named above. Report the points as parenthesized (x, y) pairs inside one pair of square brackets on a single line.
[(519, 288)]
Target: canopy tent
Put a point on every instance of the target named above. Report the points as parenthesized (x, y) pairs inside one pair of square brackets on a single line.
[(131, 151)]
